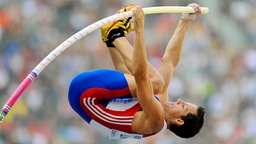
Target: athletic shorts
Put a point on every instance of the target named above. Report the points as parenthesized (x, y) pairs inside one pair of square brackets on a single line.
[(110, 80)]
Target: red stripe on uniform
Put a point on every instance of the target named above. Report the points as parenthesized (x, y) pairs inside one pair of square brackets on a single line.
[(119, 120), (89, 103)]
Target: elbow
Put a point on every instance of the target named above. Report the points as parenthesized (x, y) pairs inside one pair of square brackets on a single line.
[(175, 63)]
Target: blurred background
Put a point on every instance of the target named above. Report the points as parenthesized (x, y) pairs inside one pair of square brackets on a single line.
[(217, 69)]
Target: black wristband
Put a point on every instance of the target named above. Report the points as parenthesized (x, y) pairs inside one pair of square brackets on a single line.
[(113, 34)]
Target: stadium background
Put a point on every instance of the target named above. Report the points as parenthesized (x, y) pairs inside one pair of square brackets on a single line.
[(217, 69)]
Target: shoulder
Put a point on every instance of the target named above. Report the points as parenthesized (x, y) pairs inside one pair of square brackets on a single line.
[(147, 125)]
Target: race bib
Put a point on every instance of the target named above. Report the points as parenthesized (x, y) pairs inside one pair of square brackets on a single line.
[(116, 134)]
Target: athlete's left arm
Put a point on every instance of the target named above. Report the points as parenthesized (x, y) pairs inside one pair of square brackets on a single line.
[(152, 111)]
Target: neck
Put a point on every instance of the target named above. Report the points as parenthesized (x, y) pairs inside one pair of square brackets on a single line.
[(167, 120)]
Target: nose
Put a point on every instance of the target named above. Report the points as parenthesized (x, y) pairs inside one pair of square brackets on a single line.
[(179, 101)]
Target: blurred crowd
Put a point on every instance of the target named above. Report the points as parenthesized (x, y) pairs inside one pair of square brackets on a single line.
[(217, 69)]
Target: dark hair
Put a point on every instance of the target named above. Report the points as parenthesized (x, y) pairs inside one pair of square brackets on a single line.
[(192, 124)]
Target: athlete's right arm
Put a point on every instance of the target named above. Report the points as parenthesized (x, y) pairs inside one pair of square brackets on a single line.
[(173, 50)]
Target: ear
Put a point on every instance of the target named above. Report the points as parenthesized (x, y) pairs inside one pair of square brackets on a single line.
[(179, 122)]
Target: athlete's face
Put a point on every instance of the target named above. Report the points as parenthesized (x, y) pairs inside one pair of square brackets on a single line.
[(175, 110)]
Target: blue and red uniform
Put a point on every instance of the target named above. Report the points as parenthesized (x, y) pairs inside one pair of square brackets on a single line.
[(103, 99)]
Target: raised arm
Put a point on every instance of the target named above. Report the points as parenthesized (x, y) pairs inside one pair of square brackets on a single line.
[(173, 50), (139, 54), (151, 118)]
